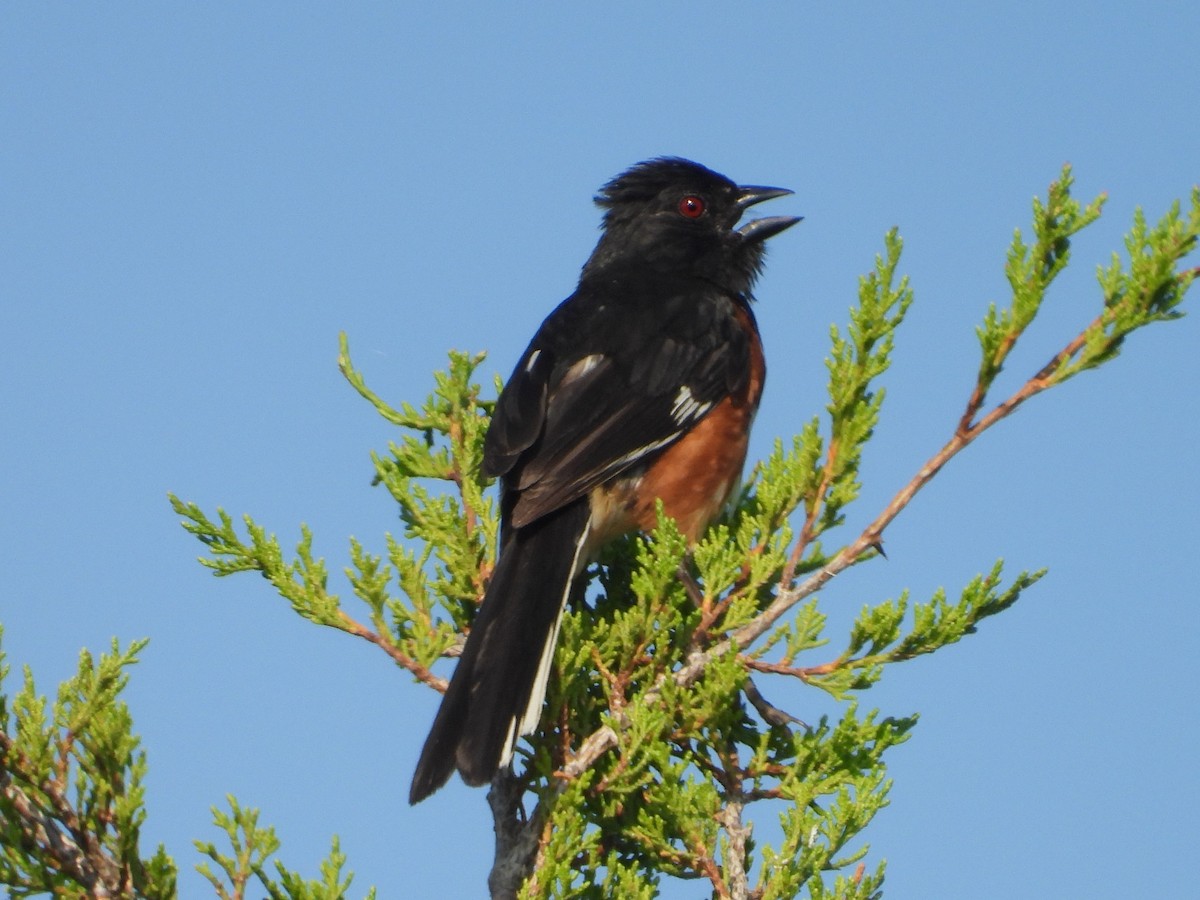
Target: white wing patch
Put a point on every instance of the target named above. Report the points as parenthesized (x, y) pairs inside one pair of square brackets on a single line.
[(533, 358), (687, 408), (582, 367), (640, 452)]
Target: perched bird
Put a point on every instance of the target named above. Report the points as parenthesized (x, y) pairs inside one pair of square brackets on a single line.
[(640, 386)]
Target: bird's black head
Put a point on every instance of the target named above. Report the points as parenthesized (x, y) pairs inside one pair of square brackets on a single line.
[(676, 216)]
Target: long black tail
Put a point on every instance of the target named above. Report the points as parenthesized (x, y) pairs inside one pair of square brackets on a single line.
[(499, 686)]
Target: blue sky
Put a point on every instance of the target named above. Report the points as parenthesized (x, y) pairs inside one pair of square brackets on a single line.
[(195, 201)]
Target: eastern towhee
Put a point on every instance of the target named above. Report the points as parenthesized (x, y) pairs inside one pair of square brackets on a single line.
[(641, 386)]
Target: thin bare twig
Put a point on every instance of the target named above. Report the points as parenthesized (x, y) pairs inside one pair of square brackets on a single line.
[(810, 518), (703, 861), (801, 672), (350, 625)]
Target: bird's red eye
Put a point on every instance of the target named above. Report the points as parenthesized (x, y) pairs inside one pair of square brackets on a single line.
[(691, 206)]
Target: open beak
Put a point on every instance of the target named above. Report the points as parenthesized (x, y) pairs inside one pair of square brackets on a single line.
[(760, 229)]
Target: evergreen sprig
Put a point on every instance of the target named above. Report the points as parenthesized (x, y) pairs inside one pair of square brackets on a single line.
[(424, 590), (71, 794), (72, 802), (1030, 269), (252, 846), (855, 362)]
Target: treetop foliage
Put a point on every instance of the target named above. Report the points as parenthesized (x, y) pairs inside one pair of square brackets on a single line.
[(658, 753)]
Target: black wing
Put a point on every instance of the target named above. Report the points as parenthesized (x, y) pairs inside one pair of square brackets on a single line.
[(605, 383)]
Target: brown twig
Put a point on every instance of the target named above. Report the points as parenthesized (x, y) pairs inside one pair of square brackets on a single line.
[(384, 642), (801, 672), (810, 518), (703, 861)]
